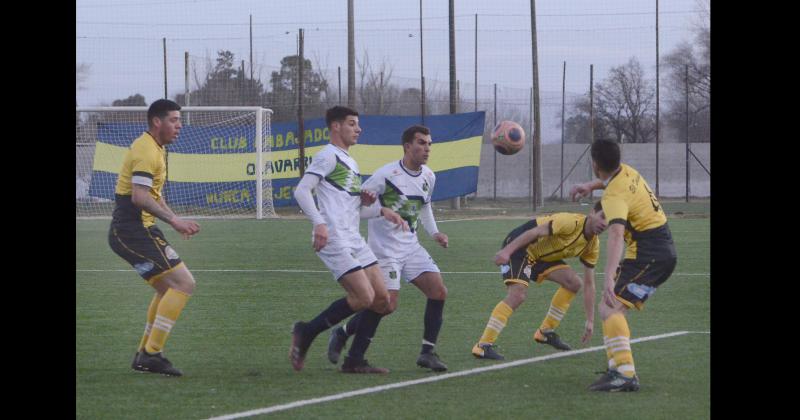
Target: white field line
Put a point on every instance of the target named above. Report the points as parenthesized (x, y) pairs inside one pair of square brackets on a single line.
[(258, 270), (372, 390)]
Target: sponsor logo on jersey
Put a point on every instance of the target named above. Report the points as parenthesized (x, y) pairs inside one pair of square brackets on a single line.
[(171, 254), (641, 291), (143, 268)]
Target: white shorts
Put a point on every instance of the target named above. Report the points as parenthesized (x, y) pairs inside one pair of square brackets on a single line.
[(344, 259), (409, 268)]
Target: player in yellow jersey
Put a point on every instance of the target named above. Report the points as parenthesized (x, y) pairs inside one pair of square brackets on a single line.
[(535, 251), (134, 236), (634, 216)]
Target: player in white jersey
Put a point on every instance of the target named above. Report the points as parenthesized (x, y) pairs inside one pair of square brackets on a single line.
[(334, 175), (405, 186)]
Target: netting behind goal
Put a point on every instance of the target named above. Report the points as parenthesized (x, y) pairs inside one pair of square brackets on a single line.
[(212, 167)]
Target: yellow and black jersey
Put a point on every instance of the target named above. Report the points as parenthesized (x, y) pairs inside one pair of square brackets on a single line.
[(628, 200), (144, 164), (565, 240)]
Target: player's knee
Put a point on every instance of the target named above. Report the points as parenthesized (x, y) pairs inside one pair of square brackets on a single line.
[(606, 311), (574, 284), (439, 293), (516, 296), (382, 303)]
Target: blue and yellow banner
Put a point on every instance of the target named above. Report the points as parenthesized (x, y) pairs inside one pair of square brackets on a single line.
[(215, 166)]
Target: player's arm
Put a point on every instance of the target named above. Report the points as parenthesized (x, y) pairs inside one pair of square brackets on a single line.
[(142, 199), (306, 202), (582, 190), (588, 303), (614, 248), (429, 222), (530, 235)]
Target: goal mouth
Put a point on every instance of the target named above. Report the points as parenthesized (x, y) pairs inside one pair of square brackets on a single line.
[(211, 167)]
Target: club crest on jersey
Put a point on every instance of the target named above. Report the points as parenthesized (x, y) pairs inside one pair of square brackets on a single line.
[(425, 186), (393, 275)]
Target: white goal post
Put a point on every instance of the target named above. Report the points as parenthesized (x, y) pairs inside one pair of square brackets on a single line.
[(212, 168)]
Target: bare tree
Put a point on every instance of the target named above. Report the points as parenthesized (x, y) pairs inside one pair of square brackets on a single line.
[(375, 91), (626, 102), (697, 56), (81, 74)]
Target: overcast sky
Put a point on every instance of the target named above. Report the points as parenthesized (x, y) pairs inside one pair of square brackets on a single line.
[(121, 40)]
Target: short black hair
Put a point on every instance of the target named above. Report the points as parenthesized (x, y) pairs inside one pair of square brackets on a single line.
[(408, 134), (598, 206), (338, 113), (161, 108), (606, 154)]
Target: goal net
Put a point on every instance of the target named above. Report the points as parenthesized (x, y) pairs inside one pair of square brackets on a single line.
[(212, 167)]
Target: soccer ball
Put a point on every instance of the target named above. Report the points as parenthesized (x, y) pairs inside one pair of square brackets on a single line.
[(508, 137)]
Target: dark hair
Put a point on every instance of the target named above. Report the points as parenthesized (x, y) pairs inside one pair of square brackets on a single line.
[(598, 206), (161, 108), (606, 154), (338, 113), (408, 134)]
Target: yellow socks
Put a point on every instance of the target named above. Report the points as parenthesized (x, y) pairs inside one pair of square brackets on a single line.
[(168, 311), (151, 316), (558, 308), (497, 321), (617, 338)]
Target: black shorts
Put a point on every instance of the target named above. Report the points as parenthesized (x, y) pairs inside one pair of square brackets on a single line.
[(145, 249), (637, 280), (520, 269)]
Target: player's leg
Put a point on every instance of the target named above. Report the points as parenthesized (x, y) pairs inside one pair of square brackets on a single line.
[(349, 273), (390, 269), (431, 284), (516, 275), (635, 282), (367, 325), (150, 254), (569, 282)]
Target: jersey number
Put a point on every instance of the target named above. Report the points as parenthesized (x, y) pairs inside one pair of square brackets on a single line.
[(653, 199)]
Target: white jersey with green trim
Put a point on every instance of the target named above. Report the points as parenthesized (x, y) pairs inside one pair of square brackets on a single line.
[(338, 193), (406, 192)]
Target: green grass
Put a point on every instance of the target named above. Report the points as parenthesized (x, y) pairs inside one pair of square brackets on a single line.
[(232, 339)]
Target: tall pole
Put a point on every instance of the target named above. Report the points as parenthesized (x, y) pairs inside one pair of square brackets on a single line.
[(186, 78), (537, 137), (300, 125), (251, 47), (532, 172), (339, 70), (456, 203), (686, 81), (476, 62), (165, 67), (658, 131), (494, 125), (351, 57), (563, 107), (591, 119), (421, 69)]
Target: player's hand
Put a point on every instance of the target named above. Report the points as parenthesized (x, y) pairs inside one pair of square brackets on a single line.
[(441, 239), (320, 236), (609, 297), (578, 191), (186, 228), (368, 197), (395, 218), (588, 329), (502, 257)]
